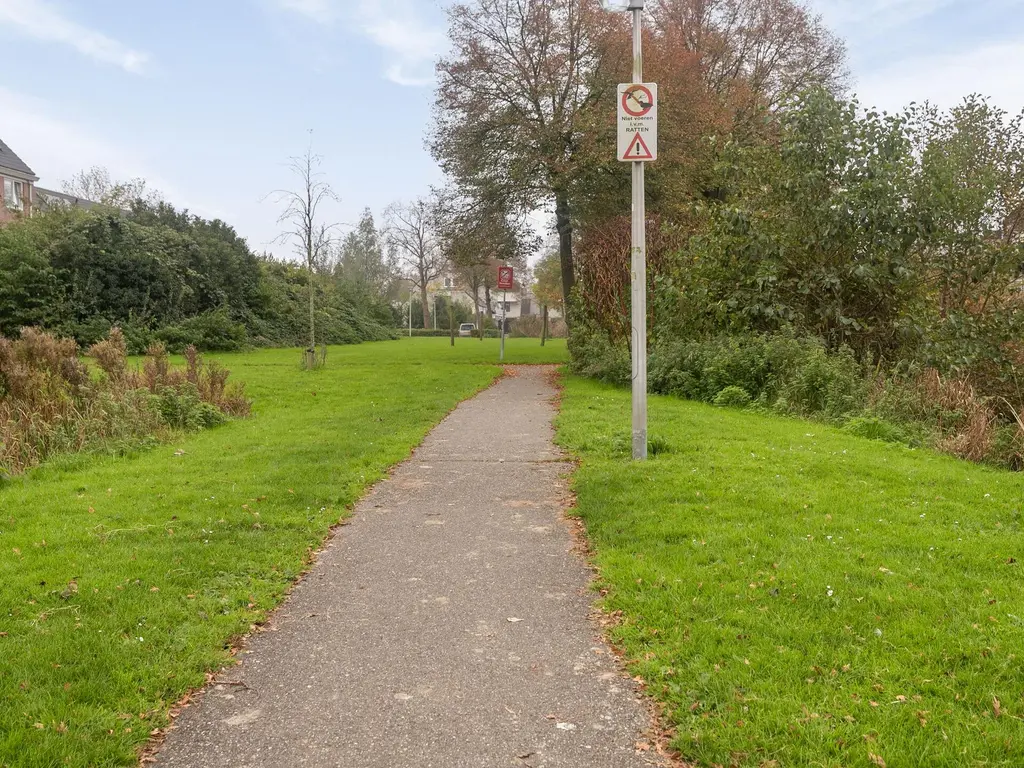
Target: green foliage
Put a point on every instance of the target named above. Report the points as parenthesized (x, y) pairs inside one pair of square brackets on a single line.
[(732, 397), (874, 428), (856, 238), (777, 371), (547, 286), (366, 265), (209, 331), (595, 355), (183, 408), (815, 233), (163, 274), (795, 595), (26, 278)]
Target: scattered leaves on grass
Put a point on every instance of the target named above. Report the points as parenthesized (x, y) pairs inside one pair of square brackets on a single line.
[(876, 759)]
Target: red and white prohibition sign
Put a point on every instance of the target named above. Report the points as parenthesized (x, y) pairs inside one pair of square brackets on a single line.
[(637, 122)]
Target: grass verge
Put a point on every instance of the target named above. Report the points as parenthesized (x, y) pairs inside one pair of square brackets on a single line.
[(799, 596), (123, 580)]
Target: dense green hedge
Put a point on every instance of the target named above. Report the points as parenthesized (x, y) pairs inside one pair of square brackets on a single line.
[(165, 275)]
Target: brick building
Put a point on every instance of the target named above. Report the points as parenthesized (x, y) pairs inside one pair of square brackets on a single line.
[(17, 185)]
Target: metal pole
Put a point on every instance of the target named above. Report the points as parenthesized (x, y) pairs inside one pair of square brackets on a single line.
[(504, 309), (638, 269), (410, 313)]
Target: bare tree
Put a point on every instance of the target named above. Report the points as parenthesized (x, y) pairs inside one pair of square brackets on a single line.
[(309, 236), (96, 185), (410, 231)]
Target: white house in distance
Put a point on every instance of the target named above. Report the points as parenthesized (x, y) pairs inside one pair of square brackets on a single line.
[(515, 303)]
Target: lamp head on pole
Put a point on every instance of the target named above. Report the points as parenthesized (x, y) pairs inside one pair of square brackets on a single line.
[(622, 5)]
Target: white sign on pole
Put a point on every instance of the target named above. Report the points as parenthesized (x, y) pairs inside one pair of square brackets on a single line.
[(638, 122)]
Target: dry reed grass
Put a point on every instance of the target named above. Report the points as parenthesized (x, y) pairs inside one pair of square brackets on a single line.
[(50, 404)]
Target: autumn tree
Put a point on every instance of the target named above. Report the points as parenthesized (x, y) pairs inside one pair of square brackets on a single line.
[(305, 230), (410, 230), (508, 101), (754, 53), (546, 285)]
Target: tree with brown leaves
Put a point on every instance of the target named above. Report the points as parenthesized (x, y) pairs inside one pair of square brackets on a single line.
[(508, 101)]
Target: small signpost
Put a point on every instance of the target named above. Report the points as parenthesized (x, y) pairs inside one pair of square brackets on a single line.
[(637, 122), (505, 283)]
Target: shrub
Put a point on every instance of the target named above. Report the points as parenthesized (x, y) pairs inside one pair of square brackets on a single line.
[(875, 429), (780, 372), (209, 331), (732, 397), (593, 354)]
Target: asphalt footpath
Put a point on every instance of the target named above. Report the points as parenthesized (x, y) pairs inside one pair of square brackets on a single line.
[(448, 626)]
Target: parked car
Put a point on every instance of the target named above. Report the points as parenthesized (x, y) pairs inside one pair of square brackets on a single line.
[(466, 329)]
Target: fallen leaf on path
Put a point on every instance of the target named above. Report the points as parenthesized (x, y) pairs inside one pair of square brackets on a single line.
[(513, 619), (565, 726), (642, 746)]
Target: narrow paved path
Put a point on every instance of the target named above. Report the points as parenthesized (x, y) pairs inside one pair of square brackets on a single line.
[(446, 627)]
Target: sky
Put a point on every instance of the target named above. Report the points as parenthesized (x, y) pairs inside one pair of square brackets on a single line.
[(208, 100)]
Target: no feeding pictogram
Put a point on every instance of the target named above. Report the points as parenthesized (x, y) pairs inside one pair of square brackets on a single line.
[(637, 100), (505, 278)]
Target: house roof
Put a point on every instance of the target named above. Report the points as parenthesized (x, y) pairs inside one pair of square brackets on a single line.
[(10, 161), (47, 197)]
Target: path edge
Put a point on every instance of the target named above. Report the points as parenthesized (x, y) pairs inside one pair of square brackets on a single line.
[(660, 732), (238, 643)]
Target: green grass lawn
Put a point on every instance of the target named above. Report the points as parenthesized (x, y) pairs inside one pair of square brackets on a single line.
[(175, 551), (797, 596)]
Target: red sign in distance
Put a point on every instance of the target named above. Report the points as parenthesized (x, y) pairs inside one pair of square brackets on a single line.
[(505, 278)]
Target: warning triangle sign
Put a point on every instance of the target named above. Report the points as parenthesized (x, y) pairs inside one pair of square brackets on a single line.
[(637, 149)]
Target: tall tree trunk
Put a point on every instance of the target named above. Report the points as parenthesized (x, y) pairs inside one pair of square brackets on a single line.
[(423, 299), (487, 300), (544, 327), (563, 224)]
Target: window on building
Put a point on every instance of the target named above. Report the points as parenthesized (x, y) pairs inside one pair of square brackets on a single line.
[(13, 194), (448, 282)]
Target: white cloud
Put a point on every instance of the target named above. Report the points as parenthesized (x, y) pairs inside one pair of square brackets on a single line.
[(42, 21), (410, 43), (991, 69)]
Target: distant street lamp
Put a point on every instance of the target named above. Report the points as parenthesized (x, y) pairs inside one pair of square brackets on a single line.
[(638, 266)]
